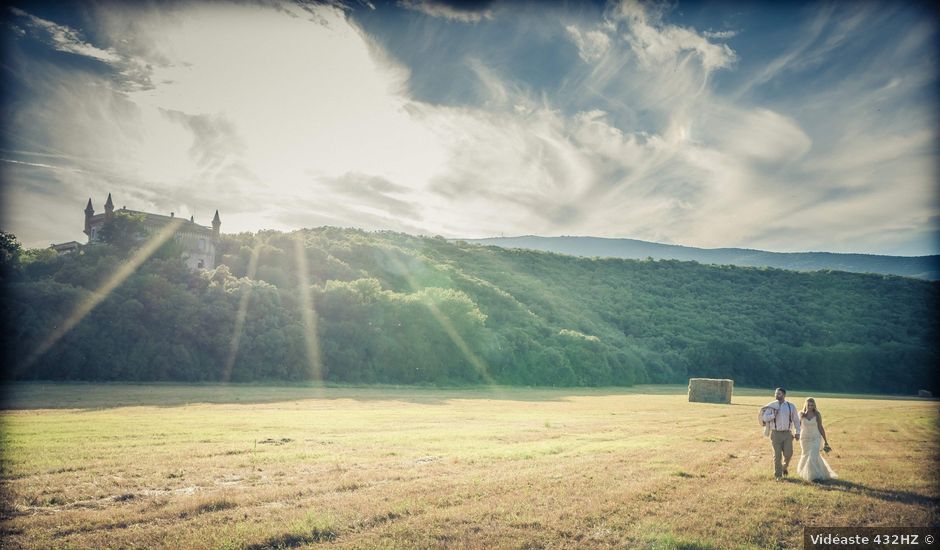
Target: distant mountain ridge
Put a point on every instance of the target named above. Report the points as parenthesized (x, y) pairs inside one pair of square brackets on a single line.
[(921, 267)]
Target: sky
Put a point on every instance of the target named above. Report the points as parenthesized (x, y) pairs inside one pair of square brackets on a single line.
[(783, 127)]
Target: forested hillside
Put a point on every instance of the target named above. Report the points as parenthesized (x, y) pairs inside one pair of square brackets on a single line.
[(350, 306)]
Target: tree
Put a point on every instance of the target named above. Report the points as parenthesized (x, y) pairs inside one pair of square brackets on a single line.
[(124, 231), (10, 251)]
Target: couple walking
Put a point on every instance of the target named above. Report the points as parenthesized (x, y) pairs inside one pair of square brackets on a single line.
[(780, 418)]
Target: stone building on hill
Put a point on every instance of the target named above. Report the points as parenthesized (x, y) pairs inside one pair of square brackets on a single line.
[(197, 241), (66, 248)]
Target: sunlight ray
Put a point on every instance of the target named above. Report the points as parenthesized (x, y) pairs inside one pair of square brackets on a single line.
[(307, 312), (452, 333), (241, 314), (99, 294)]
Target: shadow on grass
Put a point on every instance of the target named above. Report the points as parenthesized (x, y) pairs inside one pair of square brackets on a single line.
[(905, 497), (294, 540), (93, 396)]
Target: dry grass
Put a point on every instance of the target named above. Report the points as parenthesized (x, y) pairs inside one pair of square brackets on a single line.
[(266, 467)]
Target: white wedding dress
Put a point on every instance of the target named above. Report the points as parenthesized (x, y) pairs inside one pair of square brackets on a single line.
[(812, 466)]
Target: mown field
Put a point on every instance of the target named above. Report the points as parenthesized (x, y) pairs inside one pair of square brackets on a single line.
[(148, 466)]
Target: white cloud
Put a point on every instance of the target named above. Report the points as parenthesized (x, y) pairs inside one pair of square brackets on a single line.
[(656, 43), (755, 134), (592, 45)]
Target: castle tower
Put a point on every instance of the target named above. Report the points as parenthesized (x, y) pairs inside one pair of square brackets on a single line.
[(89, 212), (109, 208), (216, 224)]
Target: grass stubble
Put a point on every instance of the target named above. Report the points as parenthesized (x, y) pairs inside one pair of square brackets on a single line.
[(253, 467)]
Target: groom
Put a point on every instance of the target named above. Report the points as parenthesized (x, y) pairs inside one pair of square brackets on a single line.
[(781, 416)]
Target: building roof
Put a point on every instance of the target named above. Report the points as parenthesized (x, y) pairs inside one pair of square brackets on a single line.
[(158, 219), (67, 245)]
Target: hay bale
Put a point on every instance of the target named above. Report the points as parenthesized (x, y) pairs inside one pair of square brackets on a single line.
[(710, 390), (924, 393)]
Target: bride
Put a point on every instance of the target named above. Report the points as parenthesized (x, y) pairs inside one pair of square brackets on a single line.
[(813, 466)]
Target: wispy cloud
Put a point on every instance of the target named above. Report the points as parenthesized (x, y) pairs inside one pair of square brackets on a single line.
[(40, 165), (720, 35), (464, 12), (64, 39), (375, 194), (592, 45)]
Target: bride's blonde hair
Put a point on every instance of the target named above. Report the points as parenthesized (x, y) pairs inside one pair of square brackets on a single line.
[(805, 403)]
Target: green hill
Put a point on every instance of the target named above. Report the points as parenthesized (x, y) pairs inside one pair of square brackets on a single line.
[(349, 306)]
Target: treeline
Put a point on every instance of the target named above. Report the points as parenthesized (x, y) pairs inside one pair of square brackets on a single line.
[(350, 306)]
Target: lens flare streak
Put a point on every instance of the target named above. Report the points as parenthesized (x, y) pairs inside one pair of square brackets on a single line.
[(99, 294), (445, 324), (307, 311), (241, 315)]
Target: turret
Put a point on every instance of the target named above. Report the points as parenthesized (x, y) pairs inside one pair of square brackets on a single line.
[(89, 212), (109, 208), (216, 224)]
